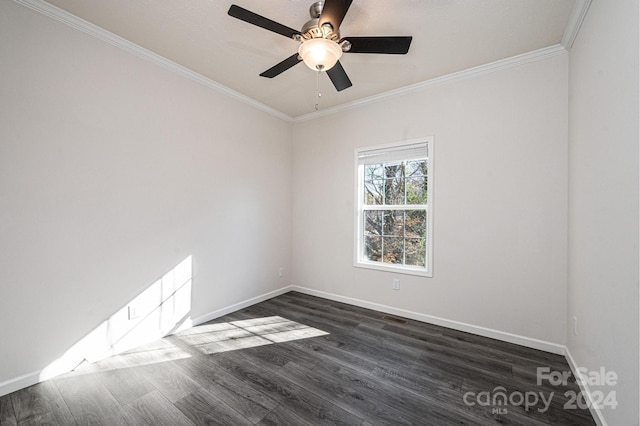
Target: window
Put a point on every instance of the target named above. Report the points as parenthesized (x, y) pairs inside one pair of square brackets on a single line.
[(394, 207)]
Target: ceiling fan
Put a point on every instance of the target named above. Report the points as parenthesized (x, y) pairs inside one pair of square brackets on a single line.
[(320, 44)]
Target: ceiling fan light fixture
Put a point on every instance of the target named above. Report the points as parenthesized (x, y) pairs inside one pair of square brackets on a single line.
[(320, 54)]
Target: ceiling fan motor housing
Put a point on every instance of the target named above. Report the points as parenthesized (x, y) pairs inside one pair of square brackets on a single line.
[(311, 29), (316, 9)]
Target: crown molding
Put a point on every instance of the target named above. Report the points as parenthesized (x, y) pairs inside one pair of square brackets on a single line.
[(577, 16), (536, 55), (121, 43), (580, 9)]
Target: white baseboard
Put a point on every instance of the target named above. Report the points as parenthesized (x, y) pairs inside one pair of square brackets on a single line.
[(596, 412), (20, 382), (240, 305), (456, 325)]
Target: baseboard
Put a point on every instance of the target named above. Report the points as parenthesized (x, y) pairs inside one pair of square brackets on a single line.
[(30, 379), (596, 412), (456, 325), (240, 305), (17, 383)]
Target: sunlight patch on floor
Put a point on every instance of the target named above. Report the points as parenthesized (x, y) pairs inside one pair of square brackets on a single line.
[(235, 335)]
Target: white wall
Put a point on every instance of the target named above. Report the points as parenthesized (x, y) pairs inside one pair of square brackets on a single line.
[(603, 200), (500, 200), (113, 171)]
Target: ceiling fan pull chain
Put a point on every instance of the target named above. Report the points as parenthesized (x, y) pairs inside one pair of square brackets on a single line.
[(318, 94)]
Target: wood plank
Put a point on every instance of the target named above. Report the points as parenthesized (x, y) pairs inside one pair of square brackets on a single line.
[(281, 415), (335, 351), (236, 393), (351, 395), (7, 415), (125, 384), (170, 381), (41, 402), (411, 334), (204, 407), (337, 310), (90, 402), (295, 398), (435, 348), (473, 340), (154, 409)]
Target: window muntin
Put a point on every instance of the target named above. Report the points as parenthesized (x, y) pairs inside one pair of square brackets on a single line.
[(393, 199)]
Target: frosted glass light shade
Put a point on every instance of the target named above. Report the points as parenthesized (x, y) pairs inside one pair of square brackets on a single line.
[(320, 54)]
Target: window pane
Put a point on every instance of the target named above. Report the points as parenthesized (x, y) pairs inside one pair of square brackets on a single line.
[(394, 170), (393, 223), (416, 168), (373, 171), (374, 192), (417, 190), (373, 222), (393, 248), (415, 251), (373, 248), (394, 191), (415, 223), (394, 184)]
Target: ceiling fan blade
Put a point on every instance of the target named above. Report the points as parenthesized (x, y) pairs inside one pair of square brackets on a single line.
[(282, 66), (339, 77), (333, 12), (398, 45), (260, 21)]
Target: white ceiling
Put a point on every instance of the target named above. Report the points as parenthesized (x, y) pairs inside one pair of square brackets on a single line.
[(448, 36)]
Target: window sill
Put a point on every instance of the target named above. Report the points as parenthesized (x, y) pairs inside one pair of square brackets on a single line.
[(395, 269)]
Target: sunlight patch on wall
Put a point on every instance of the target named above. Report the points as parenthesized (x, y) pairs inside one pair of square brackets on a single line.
[(161, 309), (235, 335)]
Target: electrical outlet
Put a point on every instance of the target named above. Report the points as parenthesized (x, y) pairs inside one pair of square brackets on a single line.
[(575, 326), (395, 284), (133, 312), (281, 271)]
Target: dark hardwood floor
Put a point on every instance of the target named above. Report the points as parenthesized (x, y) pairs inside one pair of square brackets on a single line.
[(301, 360)]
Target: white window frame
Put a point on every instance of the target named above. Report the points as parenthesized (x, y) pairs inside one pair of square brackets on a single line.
[(359, 258)]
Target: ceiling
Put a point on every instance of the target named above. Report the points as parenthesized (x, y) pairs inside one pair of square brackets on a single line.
[(448, 36)]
